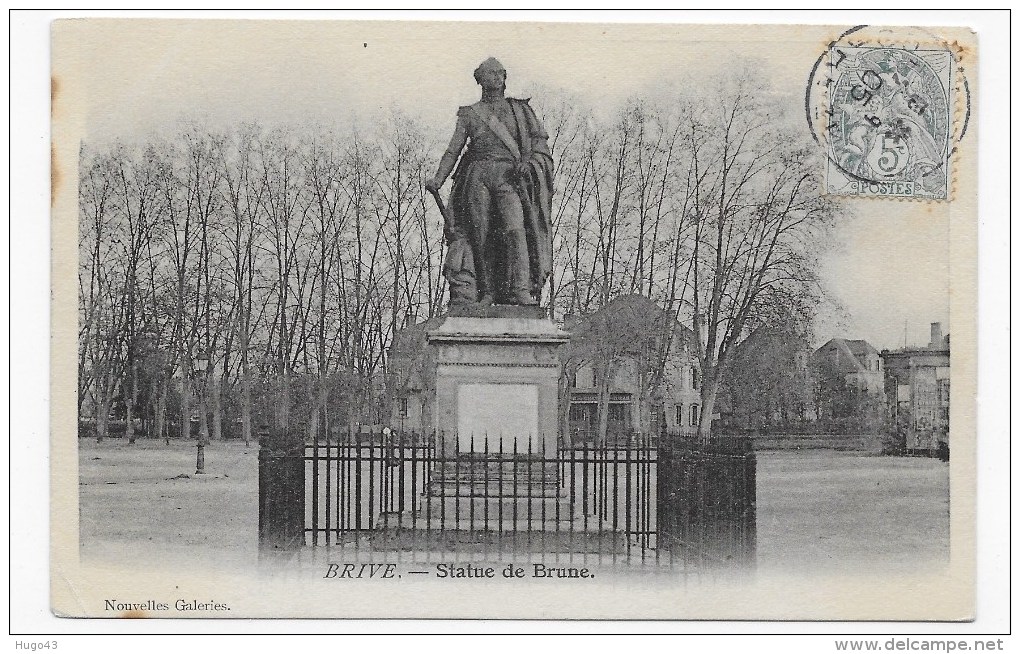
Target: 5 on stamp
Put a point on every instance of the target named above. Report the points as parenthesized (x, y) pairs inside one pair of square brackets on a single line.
[(890, 122)]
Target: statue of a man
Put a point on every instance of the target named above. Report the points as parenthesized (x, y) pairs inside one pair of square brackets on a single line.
[(500, 247)]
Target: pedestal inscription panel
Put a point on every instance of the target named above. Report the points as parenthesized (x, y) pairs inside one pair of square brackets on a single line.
[(496, 376), (492, 415)]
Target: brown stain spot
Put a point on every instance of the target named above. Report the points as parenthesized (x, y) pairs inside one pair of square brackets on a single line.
[(962, 49), (54, 174), (134, 615), (54, 162)]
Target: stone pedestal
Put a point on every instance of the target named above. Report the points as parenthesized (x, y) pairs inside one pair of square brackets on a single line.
[(497, 379), (497, 393), (495, 482)]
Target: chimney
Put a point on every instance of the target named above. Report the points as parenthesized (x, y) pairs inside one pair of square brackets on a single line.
[(569, 321), (936, 336)]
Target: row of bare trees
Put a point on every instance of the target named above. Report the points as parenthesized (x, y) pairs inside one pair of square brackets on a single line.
[(708, 201), (290, 257), (286, 258)]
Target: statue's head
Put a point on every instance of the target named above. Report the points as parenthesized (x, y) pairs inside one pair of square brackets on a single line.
[(491, 75)]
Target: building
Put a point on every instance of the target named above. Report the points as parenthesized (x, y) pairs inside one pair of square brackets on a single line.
[(640, 360), (917, 392), (856, 361), (412, 378)]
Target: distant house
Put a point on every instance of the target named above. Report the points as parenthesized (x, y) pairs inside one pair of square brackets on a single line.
[(653, 373), (856, 361), (917, 392), (412, 378)]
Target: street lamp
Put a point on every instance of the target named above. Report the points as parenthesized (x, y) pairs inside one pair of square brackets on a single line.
[(201, 364)]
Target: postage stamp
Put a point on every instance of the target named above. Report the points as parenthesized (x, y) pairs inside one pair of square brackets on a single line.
[(511, 321), (891, 113)]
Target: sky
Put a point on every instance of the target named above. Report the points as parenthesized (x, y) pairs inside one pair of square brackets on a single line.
[(887, 266)]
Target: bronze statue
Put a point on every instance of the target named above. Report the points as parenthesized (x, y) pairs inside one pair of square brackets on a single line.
[(498, 232)]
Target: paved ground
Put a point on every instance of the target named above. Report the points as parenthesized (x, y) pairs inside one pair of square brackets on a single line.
[(817, 510)]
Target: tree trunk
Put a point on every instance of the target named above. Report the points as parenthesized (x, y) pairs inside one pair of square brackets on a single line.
[(217, 410), (709, 390), (130, 397), (185, 410), (603, 403), (160, 417), (283, 401), (246, 402), (103, 413), (104, 398), (129, 416), (320, 416)]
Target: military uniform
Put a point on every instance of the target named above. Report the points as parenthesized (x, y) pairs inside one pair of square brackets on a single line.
[(501, 200)]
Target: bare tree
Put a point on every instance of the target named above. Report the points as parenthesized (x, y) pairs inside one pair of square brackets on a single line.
[(284, 212), (759, 213), (94, 199), (136, 199), (242, 190)]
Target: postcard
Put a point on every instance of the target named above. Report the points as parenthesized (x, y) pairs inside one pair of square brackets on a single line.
[(513, 320)]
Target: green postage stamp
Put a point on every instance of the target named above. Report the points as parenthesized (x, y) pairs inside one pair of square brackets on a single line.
[(891, 115)]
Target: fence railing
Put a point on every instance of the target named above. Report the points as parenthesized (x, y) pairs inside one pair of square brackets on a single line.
[(413, 492), (643, 498)]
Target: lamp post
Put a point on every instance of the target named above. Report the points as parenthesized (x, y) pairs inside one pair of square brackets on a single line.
[(201, 364)]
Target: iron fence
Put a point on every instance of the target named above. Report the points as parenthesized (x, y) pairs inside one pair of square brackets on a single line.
[(645, 499), (707, 498), (408, 491)]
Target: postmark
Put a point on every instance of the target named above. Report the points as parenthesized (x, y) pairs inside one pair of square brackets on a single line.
[(889, 110)]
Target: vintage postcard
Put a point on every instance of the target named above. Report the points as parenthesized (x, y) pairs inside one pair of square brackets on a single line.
[(513, 320)]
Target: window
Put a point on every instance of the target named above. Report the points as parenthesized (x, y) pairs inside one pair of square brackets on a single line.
[(402, 407), (619, 413), (695, 378), (583, 412), (679, 415), (943, 392), (695, 414)]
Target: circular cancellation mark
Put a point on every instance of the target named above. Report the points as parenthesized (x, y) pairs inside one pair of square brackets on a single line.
[(882, 103)]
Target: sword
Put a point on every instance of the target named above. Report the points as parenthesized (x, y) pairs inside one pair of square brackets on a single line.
[(448, 230)]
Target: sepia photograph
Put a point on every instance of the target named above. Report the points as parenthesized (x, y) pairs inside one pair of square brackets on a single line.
[(513, 320)]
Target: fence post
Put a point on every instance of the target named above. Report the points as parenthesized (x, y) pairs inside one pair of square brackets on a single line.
[(281, 489), (750, 523)]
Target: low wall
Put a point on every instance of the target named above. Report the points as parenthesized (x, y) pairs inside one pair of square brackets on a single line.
[(869, 443)]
